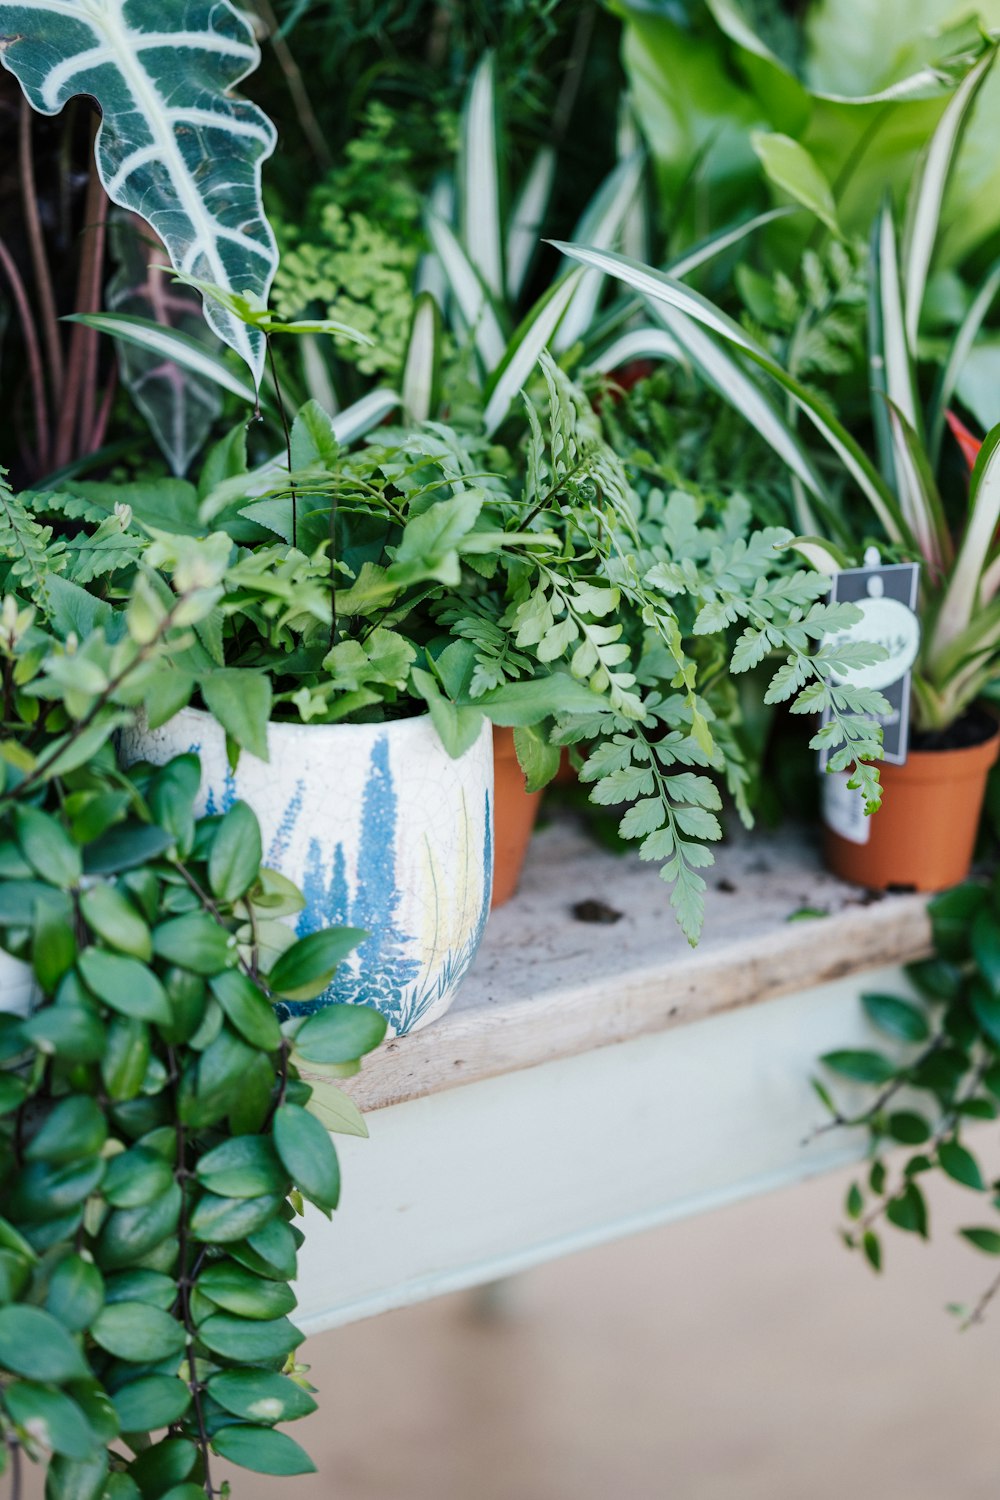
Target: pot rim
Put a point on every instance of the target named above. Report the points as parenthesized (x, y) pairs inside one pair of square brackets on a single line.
[(411, 724)]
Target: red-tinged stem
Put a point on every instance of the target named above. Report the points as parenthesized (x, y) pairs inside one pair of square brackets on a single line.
[(100, 427), (39, 258), (82, 346), (36, 375)]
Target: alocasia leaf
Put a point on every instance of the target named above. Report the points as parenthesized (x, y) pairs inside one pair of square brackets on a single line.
[(175, 144)]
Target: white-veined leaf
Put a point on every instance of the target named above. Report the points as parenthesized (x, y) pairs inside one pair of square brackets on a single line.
[(819, 553), (419, 386), (896, 355), (526, 345), (918, 493), (600, 225), (527, 219), (168, 343), (175, 145), (480, 178), (963, 591), (660, 288), (707, 249), (928, 189), (469, 291), (639, 343)]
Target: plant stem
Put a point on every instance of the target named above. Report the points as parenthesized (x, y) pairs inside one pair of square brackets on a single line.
[(288, 436), (81, 363), (39, 259), (32, 349), (15, 1469)]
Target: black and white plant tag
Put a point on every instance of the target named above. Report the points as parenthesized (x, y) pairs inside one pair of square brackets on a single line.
[(886, 594)]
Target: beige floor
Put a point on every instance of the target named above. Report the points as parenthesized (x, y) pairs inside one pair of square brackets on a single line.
[(738, 1356)]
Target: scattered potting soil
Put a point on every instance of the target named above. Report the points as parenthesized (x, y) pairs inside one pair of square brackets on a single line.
[(596, 911)]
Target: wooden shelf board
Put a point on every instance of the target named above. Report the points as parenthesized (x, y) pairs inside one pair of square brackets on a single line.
[(547, 985)]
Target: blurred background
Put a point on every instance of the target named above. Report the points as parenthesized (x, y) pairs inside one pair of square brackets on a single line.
[(740, 1355)]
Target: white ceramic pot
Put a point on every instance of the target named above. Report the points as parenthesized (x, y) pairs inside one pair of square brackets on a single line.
[(380, 829), (17, 985)]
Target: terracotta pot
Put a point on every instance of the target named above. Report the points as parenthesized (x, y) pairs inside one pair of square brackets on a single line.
[(923, 836), (514, 812)]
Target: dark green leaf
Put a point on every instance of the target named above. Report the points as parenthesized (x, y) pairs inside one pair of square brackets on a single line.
[(236, 854), (51, 1418), (136, 1177), (150, 1403), (262, 1450), (126, 1058), (158, 1469), (247, 1009), (172, 796), (872, 1248), (73, 1127), (306, 968), (239, 1291), (76, 1479), (987, 1240), (47, 847), (986, 948), (137, 1332), (142, 1286), (113, 917), (270, 1251), (45, 1190), (986, 1009), (260, 1396), (248, 1342), (340, 1033), (243, 1167), (960, 1165), (125, 848), (241, 702), (195, 941), (908, 1127), (225, 1220), (935, 978), (952, 915), (33, 1343), (908, 1210), (896, 1018), (75, 1293), (125, 984), (308, 1153), (860, 1065), (854, 1202), (129, 1233), (53, 947)]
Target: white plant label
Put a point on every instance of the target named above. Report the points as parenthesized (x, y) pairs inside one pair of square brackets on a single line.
[(844, 808)]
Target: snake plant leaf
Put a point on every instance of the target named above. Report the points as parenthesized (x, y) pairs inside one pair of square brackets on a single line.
[(527, 344), (175, 145)]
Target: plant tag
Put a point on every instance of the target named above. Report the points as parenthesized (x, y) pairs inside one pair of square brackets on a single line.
[(887, 596), (844, 808)]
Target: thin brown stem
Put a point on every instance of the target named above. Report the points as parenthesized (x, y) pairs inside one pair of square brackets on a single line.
[(296, 85), (76, 398), (288, 436), (15, 1469), (39, 258), (100, 428), (32, 347)]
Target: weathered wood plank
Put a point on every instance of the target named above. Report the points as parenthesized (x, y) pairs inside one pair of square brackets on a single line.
[(547, 985)]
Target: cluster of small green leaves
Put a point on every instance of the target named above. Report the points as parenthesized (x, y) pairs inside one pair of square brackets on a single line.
[(938, 1073), (156, 1137), (814, 323)]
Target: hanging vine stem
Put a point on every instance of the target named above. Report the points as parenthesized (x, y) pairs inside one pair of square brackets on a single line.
[(287, 432)]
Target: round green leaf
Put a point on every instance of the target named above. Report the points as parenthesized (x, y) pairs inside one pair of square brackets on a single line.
[(896, 1018), (44, 1191), (51, 1418), (72, 1032), (150, 1403), (222, 1221), (158, 1469), (908, 1127), (249, 1342), (125, 984), (129, 1233), (195, 941), (244, 1167), (306, 968), (137, 1332), (75, 1293), (308, 1153), (247, 1009), (33, 1343), (113, 917), (136, 1177), (236, 854), (260, 1396), (239, 1291), (262, 1450), (74, 1127), (47, 847), (340, 1033), (77, 1479)]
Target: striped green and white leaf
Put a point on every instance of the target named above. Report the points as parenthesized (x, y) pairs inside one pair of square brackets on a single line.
[(469, 291), (638, 343), (961, 347), (421, 367), (521, 356), (963, 595), (479, 178), (175, 145), (664, 291), (530, 208), (928, 189), (601, 225), (169, 344)]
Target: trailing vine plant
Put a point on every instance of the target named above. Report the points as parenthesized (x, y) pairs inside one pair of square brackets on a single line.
[(938, 1075), (157, 1137)]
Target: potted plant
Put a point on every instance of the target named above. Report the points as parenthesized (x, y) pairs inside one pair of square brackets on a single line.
[(924, 836), (156, 1135)]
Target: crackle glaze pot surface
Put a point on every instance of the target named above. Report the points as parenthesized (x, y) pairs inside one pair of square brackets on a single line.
[(380, 829)]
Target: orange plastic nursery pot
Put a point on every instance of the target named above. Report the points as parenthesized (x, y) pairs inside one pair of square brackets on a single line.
[(514, 812), (923, 835)]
